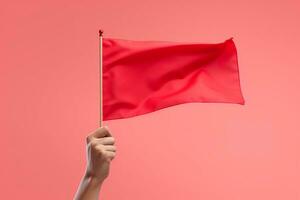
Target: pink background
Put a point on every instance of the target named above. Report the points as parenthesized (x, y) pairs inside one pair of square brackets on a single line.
[(49, 102)]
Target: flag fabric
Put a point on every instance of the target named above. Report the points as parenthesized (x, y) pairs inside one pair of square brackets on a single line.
[(140, 77)]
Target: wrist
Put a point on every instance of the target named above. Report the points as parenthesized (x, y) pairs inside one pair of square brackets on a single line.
[(93, 179)]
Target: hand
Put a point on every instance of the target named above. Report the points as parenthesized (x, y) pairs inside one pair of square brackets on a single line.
[(100, 152)]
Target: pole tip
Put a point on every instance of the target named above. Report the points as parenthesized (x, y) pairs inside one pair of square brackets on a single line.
[(100, 33)]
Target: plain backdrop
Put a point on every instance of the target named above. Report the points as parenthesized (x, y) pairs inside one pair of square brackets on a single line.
[(49, 102)]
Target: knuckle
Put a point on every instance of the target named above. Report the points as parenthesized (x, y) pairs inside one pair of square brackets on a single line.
[(100, 147), (93, 144), (113, 155), (100, 151), (114, 148), (105, 130)]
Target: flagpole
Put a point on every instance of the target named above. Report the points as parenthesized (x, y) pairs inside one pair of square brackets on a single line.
[(101, 77)]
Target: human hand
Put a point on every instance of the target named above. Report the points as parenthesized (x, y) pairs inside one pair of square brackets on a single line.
[(100, 152)]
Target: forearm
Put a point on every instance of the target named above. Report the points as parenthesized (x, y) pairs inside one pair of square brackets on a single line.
[(88, 189)]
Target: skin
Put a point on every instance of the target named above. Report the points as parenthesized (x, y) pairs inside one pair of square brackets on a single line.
[(100, 152)]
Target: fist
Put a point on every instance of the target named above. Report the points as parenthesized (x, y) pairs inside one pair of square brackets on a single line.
[(100, 152)]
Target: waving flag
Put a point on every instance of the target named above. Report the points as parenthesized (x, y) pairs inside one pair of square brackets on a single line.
[(140, 77)]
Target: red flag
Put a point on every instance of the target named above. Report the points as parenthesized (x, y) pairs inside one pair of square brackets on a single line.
[(144, 76)]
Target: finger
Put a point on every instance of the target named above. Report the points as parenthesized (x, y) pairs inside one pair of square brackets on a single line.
[(110, 148), (100, 133), (110, 155), (106, 140)]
